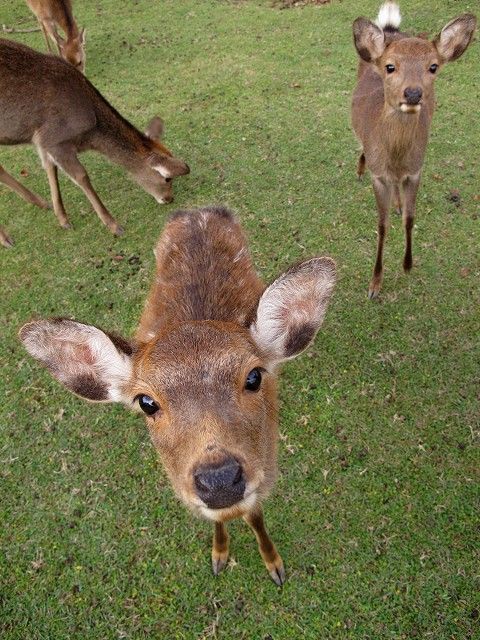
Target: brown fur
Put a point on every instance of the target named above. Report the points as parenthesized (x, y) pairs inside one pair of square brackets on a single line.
[(69, 116), (394, 141)]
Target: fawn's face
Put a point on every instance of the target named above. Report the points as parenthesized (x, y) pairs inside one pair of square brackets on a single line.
[(210, 406)]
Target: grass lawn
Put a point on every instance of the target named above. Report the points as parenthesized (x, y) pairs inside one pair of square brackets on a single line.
[(376, 507)]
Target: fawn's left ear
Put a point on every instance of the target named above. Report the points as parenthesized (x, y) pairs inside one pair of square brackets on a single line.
[(155, 128), (88, 361), (455, 37), (292, 309)]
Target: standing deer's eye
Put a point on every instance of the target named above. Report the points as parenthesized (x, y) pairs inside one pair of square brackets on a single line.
[(390, 68), (147, 404), (254, 380), (433, 68)]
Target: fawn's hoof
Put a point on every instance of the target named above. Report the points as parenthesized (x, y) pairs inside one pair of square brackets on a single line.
[(219, 562), (277, 572)]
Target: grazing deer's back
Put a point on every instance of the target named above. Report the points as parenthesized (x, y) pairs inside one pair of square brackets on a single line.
[(58, 10), (204, 272)]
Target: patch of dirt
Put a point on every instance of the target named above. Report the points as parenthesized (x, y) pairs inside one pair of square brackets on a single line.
[(293, 4)]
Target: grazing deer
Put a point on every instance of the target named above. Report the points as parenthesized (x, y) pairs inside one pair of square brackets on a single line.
[(392, 109), (53, 13), (49, 103), (203, 366)]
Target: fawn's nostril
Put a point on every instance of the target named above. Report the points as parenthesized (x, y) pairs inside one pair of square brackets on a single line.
[(220, 486), (413, 95)]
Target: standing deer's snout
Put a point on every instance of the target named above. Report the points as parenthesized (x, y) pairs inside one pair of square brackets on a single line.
[(413, 95), (220, 486)]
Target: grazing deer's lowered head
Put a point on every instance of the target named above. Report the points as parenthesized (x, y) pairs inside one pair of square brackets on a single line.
[(203, 366), (392, 108), (52, 14)]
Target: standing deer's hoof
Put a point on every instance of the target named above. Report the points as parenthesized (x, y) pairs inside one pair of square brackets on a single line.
[(219, 561), (407, 264), (277, 571), (66, 225), (373, 291), (117, 230), (40, 202)]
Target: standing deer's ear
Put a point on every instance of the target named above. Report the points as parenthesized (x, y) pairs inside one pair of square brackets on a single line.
[(83, 35), (89, 362), (369, 39), (455, 37), (291, 310), (155, 129)]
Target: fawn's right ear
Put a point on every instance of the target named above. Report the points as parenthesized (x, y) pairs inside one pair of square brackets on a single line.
[(155, 129), (291, 310), (369, 39), (94, 365)]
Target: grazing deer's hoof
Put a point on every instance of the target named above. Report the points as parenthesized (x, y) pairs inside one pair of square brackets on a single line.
[(5, 240), (373, 292), (66, 225), (117, 230), (277, 571), (407, 264), (219, 561)]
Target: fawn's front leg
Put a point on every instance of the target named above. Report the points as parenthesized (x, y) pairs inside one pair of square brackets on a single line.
[(219, 547), (270, 555), (383, 195), (23, 192)]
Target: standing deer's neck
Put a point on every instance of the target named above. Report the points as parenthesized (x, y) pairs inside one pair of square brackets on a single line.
[(400, 131)]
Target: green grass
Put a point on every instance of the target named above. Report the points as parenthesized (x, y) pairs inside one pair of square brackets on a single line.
[(376, 508)]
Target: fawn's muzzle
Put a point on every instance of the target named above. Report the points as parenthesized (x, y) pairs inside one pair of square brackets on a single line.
[(220, 486)]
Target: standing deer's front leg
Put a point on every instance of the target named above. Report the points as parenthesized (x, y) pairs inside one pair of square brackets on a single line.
[(219, 547), (383, 195), (410, 188), (270, 555)]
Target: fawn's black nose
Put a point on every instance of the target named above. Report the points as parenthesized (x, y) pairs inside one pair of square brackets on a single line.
[(413, 95), (220, 485)]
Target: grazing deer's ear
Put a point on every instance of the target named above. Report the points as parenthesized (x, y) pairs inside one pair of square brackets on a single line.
[(291, 310), (455, 37), (369, 39), (88, 361), (155, 128)]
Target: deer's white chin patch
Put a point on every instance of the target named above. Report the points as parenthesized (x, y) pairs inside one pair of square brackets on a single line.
[(410, 108), (235, 511)]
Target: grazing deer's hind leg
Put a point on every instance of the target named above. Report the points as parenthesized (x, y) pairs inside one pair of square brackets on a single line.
[(45, 33), (361, 166), (410, 188), (219, 547), (383, 195), (27, 195), (270, 555), (398, 199), (67, 160)]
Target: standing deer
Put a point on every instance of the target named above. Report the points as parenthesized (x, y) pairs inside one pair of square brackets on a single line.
[(203, 366), (46, 101), (392, 108), (53, 13)]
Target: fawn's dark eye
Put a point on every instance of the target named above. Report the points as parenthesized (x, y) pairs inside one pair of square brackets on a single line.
[(433, 68), (147, 405), (390, 68), (254, 380), (168, 179)]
